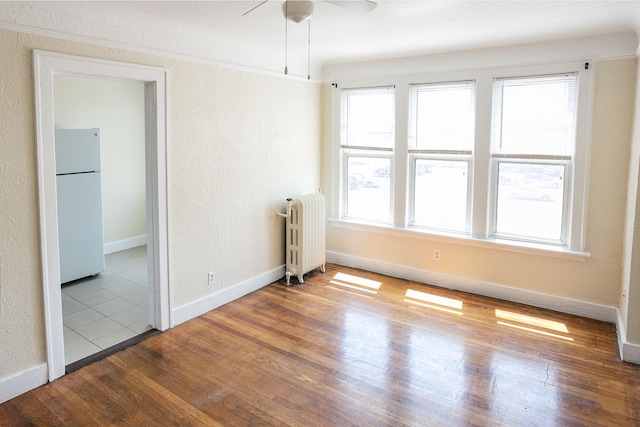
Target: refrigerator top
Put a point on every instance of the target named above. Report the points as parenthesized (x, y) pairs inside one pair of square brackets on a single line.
[(77, 150)]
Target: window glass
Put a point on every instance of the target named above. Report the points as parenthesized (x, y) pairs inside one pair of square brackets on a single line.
[(441, 194), (369, 188), (530, 201), (443, 116), (535, 115), (369, 118)]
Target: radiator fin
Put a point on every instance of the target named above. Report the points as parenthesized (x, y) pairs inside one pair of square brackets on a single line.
[(306, 236)]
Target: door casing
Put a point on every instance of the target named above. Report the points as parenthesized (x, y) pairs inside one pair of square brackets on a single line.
[(46, 65)]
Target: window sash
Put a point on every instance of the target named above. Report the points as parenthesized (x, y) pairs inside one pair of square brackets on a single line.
[(533, 197), (358, 179), (362, 129), (450, 125), (531, 123), (415, 200)]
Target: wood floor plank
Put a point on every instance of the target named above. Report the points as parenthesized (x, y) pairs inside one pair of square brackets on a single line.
[(52, 406), (108, 379), (353, 348), (84, 409), (317, 366), (10, 415), (267, 375), (214, 383)]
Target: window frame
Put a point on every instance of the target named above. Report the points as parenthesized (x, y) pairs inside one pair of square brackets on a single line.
[(481, 192), (348, 150), (567, 160), (416, 153)]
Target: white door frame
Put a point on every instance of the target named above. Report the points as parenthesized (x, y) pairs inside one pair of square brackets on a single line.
[(46, 65)]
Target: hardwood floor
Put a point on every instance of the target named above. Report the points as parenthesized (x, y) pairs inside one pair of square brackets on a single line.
[(353, 348)]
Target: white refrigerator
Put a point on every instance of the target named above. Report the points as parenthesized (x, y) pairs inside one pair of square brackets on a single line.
[(79, 196)]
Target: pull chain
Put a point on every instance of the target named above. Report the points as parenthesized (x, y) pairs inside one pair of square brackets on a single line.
[(286, 38), (309, 50)]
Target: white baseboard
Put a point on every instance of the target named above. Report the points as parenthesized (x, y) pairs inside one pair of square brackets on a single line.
[(194, 309), (22, 382), (124, 244), (28, 380), (628, 352), (494, 290)]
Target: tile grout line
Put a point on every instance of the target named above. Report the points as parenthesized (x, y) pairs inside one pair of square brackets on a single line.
[(127, 305)]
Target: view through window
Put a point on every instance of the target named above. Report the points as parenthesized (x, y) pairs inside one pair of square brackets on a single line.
[(367, 147), (533, 139), (441, 139)]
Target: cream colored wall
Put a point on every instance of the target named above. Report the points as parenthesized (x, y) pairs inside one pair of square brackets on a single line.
[(630, 299), (596, 279), (117, 108), (327, 149), (21, 304), (239, 145)]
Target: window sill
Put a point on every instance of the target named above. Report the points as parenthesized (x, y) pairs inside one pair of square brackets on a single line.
[(458, 239)]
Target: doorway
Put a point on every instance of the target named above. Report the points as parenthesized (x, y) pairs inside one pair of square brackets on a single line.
[(106, 309), (153, 79)]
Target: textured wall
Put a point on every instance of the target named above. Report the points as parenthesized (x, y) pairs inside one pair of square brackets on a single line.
[(633, 295), (612, 125), (239, 144), (21, 303), (630, 301), (598, 278)]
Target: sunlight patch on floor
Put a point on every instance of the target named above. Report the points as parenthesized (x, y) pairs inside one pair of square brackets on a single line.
[(348, 282), (436, 302), (532, 321), (356, 280), (347, 285), (533, 324), (537, 331)]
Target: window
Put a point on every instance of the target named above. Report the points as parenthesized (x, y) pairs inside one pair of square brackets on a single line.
[(367, 141), (532, 142), (441, 140), (494, 155)]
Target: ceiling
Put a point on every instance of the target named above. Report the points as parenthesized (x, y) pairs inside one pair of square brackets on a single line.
[(217, 30)]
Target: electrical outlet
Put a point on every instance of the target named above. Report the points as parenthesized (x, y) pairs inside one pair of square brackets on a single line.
[(437, 255), (212, 278)]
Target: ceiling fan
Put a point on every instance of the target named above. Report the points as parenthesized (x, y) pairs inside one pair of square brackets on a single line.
[(302, 10)]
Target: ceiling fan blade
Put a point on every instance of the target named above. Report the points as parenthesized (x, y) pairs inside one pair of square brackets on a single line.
[(362, 6), (254, 8)]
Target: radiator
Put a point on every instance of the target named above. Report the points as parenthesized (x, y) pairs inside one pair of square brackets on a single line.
[(305, 235)]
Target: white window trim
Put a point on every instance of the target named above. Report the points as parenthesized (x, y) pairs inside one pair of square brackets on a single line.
[(480, 191), (464, 240)]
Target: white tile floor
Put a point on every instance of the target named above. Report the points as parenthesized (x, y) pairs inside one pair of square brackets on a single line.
[(101, 311)]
